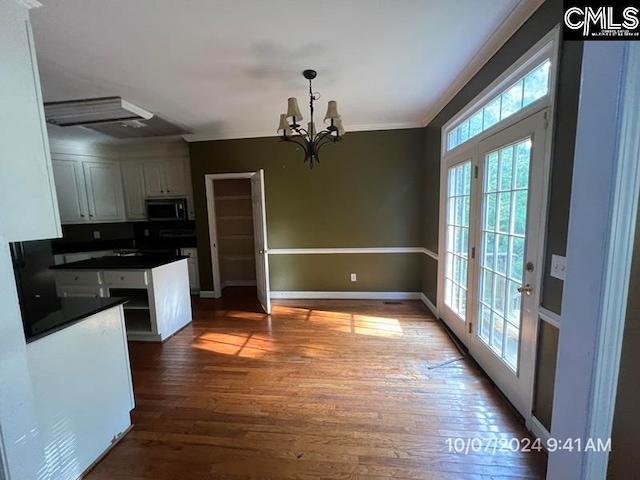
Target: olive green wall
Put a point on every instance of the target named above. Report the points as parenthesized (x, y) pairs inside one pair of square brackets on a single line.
[(625, 437), (366, 192), (545, 373)]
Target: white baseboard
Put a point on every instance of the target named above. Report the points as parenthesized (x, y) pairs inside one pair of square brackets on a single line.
[(347, 295), (538, 430), (207, 294), (429, 305)]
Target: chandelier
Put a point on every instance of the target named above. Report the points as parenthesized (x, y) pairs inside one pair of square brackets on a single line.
[(310, 139)]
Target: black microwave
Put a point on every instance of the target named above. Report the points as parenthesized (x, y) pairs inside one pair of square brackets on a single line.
[(167, 209)]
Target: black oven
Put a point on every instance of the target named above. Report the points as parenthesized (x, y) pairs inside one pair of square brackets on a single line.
[(167, 209)]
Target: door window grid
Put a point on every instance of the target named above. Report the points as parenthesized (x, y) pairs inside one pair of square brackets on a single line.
[(457, 238), (514, 98), (502, 246)]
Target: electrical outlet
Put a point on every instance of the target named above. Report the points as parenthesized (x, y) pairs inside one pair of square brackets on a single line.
[(354, 277), (558, 266), (146, 232), (96, 234)]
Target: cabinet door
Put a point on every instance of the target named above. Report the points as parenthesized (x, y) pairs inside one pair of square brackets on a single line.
[(72, 196), (27, 191), (133, 179), (80, 291), (104, 191), (154, 179), (175, 177), (194, 274)]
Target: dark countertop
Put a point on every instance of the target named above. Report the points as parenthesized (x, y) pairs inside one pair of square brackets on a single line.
[(46, 315), (139, 262)]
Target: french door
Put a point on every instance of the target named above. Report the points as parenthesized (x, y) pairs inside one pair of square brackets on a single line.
[(493, 210)]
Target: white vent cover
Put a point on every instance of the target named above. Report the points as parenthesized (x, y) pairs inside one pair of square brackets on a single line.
[(93, 111)]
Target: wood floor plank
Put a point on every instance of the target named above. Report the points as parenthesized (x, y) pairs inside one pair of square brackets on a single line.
[(318, 390)]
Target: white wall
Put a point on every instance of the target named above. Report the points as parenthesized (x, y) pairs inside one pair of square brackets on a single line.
[(21, 439), (580, 409)]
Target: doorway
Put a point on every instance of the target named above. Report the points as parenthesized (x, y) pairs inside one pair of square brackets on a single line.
[(493, 209), (237, 231)]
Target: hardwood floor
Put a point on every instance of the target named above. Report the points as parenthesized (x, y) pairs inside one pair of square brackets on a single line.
[(320, 390)]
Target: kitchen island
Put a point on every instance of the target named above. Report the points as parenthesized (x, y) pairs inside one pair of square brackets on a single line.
[(156, 285), (80, 376)]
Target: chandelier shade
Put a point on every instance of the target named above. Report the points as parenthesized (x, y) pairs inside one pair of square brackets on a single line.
[(309, 139)]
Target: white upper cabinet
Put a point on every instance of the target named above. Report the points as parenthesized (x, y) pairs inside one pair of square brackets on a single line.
[(165, 178), (89, 191), (134, 194), (154, 179), (175, 177), (72, 197), (104, 191), (27, 193)]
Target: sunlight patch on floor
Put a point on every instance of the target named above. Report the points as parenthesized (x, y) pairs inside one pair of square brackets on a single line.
[(240, 345)]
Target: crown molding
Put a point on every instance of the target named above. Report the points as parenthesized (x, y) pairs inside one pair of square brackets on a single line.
[(237, 135), (518, 16), (28, 3), (82, 149)]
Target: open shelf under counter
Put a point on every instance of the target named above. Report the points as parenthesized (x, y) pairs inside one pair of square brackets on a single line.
[(138, 297), (138, 321)]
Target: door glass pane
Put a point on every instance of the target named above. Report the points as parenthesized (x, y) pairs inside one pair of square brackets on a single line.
[(457, 241), (504, 223)]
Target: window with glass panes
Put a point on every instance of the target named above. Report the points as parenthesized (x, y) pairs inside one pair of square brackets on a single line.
[(457, 238), (524, 92)]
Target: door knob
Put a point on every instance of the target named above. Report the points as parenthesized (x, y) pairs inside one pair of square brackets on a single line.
[(527, 289)]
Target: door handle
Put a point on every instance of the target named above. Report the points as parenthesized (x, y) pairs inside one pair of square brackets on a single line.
[(527, 289)]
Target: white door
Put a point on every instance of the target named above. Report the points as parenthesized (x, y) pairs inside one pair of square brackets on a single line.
[(133, 180), (72, 196), (104, 191), (175, 177), (260, 240), (154, 179), (508, 201), (457, 266)]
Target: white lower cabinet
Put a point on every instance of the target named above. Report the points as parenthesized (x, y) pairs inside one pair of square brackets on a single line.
[(159, 301), (80, 378), (194, 270), (80, 291)]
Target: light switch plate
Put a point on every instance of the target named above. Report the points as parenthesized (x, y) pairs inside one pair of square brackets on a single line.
[(558, 266), (354, 277), (96, 234)]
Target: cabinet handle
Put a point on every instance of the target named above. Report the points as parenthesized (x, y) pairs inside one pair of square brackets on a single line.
[(82, 215), (77, 278), (121, 278), (161, 191)]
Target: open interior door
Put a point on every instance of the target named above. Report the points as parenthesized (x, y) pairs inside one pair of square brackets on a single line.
[(260, 240)]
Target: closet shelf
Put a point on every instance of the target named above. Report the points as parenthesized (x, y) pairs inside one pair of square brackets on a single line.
[(235, 217), (235, 237), (237, 257), (234, 197)]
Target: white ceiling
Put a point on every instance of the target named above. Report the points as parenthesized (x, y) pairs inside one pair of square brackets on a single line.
[(226, 68)]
